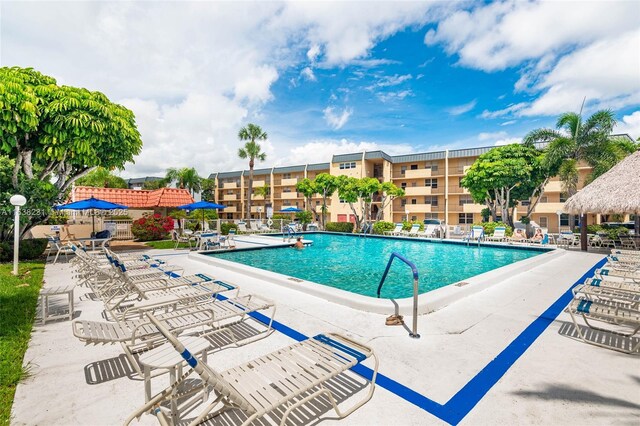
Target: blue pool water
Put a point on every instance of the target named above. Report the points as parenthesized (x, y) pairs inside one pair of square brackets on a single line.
[(356, 264)]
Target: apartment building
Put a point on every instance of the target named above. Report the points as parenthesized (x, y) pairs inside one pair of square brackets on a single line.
[(431, 181)]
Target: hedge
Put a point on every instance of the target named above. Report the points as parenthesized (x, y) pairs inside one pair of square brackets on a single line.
[(30, 249), (382, 227), (490, 227), (346, 227), (226, 226)]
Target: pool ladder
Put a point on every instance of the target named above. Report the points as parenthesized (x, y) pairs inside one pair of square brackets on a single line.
[(288, 232), (414, 333)]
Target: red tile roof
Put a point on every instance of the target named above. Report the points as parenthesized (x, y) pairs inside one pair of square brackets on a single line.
[(135, 198)]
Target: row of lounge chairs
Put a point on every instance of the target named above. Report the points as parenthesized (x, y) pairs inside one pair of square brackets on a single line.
[(430, 231), (152, 309), (611, 296)]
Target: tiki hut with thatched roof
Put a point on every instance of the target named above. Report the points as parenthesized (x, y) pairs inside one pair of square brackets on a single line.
[(616, 191)]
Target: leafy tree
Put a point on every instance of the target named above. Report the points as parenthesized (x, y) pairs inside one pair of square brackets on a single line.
[(326, 185), (505, 175), (305, 217), (57, 134), (359, 194), (185, 178), (307, 187), (263, 191), (208, 189), (102, 178), (389, 193), (251, 150)]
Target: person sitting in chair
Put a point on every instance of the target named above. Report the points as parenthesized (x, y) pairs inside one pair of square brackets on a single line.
[(538, 236)]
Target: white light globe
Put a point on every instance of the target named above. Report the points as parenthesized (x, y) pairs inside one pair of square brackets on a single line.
[(18, 200)]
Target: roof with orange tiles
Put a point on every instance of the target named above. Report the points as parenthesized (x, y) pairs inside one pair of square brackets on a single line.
[(135, 198)]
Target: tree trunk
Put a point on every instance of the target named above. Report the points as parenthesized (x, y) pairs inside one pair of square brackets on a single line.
[(250, 187), (583, 232)]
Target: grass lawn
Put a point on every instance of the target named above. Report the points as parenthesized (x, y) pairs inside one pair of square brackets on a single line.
[(165, 244), (18, 299)]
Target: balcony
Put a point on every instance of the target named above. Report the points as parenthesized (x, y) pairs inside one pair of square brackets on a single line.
[(289, 196), (258, 183), (416, 174), (553, 186), (422, 190), (257, 197), (549, 208), (455, 189), (230, 197), (289, 182), (230, 209), (230, 185), (473, 208)]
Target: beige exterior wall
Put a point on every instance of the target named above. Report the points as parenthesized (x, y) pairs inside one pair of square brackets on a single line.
[(432, 189)]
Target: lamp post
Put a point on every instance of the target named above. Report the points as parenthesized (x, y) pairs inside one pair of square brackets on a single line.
[(559, 213), (17, 201), (406, 212), (259, 213)]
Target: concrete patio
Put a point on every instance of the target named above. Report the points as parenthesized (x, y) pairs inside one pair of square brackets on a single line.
[(558, 379)]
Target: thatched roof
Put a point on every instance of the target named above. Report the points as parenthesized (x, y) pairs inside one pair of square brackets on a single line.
[(616, 191)]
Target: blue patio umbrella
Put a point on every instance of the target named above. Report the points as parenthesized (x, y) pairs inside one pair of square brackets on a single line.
[(202, 205), (91, 204), (291, 210)]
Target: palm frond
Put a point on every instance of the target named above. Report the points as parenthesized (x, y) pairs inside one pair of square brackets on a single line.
[(541, 135)]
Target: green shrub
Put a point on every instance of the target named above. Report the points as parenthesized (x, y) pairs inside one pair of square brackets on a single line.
[(30, 249), (346, 227), (490, 227), (592, 229), (304, 217), (152, 227), (57, 218), (382, 227), (226, 226), (406, 226)]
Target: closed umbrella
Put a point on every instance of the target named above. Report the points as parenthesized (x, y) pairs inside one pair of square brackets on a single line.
[(91, 204), (203, 205)]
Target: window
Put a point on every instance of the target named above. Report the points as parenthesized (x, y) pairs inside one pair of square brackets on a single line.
[(286, 203), (433, 183), (342, 201), (544, 199), (465, 218), (286, 189), (525, 202), (317, 202), (230, 192), (431, 215), (414, 184), (432, 166), (431, 200), (414, 218), (403, 202), (465, 200), (286, 176), (403, 169), (414, 201), (351, 165), (229, 215), (414, 167), (543, 221), (563, 197), (564, 220), (403, 185)]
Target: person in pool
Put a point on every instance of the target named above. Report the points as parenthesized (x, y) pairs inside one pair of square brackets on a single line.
[(299, 244)]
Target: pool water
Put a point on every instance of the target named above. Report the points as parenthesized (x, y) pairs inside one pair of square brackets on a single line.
[(356, 264)]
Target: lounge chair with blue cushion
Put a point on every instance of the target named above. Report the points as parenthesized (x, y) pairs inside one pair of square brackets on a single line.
[(600, 289), (413, 231), (397, 230), (285, 379), (476, 234), (611, 313)]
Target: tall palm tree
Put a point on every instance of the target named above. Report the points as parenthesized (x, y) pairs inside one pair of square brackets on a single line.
[(251, 150), (573, 141), (186, 177)]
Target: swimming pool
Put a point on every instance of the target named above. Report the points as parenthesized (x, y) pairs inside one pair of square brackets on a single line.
[(356, 264)]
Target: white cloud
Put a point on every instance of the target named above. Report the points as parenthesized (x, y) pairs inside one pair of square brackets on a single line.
[(337, 119), (630, 124), (511, 110), (484, 136), (308, 74), (394, 96), (508, 123), (313, 52), (507, 141), (461, 109), (567, 51), (393, 80), (319, 151)]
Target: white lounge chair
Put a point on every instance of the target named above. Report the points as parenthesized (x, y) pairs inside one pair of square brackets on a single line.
[(624, 292), (618, 273), (395, 231), (286, 378), (412, 232), (499, 234), (568, 238), (476, 234), (430, 231), (612, 313)]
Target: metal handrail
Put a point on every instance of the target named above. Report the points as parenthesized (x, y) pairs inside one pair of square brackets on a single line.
[(414, 270)]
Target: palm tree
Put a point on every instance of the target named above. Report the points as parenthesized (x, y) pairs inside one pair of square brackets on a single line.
[(573, 141), (251, 150), (186, 177)]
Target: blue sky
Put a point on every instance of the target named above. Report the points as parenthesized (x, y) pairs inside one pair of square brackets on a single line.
[(324, 78)]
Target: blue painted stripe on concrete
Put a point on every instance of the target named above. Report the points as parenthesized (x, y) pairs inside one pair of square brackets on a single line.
[(463, 402), (468, 397)]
